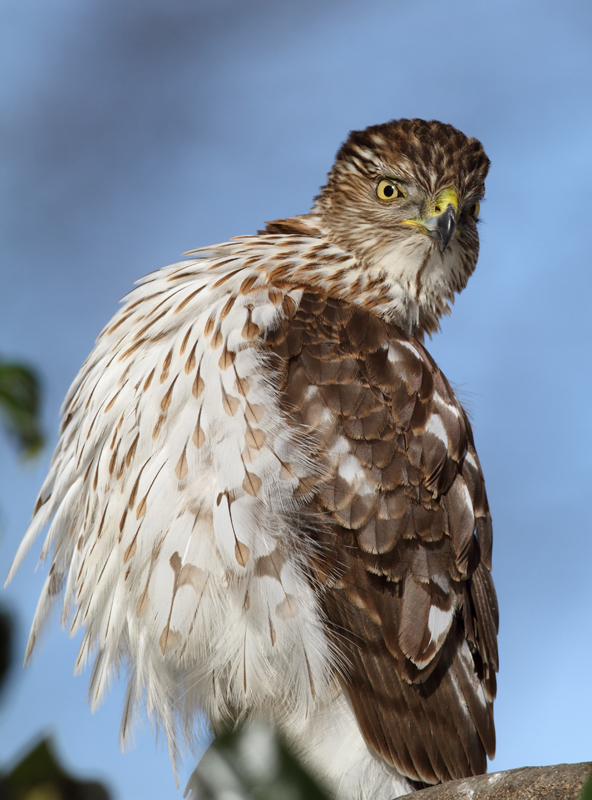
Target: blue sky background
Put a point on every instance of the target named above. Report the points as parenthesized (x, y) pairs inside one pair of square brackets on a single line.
[(134, 131)]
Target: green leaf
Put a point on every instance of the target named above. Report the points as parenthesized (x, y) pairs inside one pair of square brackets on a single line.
[(19, 406), (587, 789), (252, 763)]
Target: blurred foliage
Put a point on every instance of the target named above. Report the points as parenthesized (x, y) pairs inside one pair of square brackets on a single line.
[(20, 400), (587, 789), (5, 645), (251, 763), (39, 776)]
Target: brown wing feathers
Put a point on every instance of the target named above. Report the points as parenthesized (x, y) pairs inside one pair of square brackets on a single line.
[(413, 605)]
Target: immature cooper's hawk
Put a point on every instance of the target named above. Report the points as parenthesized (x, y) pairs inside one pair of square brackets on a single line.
[(266, 499)]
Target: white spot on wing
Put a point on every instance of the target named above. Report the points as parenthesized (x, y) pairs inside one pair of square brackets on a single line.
[(439, 621), (450, 407), (339, 446), (443, 581), (467, 495), (436, 426), (393, 353), (350, 470), (470, 460)]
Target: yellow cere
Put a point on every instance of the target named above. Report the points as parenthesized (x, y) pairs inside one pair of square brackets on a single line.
[(446, 198)]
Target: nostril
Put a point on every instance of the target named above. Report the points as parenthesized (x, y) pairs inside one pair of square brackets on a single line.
[(438, 209)]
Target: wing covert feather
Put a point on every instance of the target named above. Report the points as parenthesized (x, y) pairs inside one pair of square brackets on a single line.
[(412, 604)]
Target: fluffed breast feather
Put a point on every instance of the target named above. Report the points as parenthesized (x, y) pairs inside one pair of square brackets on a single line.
[(261, 490), (179, 500)]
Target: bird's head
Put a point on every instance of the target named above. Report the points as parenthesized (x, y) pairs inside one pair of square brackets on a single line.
[(404, 198)]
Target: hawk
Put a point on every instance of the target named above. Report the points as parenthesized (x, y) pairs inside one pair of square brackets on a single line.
[(265, 500)]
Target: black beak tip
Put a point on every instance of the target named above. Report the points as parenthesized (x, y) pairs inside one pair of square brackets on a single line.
[(447, 227)]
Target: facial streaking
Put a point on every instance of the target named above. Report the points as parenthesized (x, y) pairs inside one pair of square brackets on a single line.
[(404, 198)]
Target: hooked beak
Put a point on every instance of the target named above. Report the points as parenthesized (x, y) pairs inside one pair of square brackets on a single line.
[(444, 226), (441, 222)]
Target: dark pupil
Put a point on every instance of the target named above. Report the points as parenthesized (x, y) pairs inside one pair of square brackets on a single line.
[(389, 191)]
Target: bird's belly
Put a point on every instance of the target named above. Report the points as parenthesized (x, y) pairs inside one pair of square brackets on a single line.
[(246, 639)]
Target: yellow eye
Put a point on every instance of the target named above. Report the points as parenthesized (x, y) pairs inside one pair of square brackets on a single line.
[(475, 209), (387, 189)]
